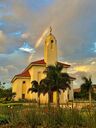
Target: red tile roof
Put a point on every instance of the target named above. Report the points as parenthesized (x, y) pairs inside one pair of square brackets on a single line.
[(65, 65), (42, 62), (23, 74), (77, 90), (39, 62)]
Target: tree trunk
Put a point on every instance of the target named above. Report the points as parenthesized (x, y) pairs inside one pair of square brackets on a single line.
[(38, 100), (49, 99), (58, 101), (90, 98)]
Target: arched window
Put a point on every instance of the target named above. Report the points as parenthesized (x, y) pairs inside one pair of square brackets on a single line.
[(38, 75), (52, 41), (24, 82)]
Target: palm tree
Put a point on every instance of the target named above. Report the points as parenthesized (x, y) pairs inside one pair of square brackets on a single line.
[(47, 87), (36, 87), (87, 87), (56, 80)]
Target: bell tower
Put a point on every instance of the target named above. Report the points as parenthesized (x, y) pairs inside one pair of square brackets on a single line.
[(50, 49)]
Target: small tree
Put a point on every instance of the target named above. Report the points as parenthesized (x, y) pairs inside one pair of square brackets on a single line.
[(6, 93), (87, 87), (37, 88)]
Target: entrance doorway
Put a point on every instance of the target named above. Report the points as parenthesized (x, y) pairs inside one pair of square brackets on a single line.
[(23, 96)]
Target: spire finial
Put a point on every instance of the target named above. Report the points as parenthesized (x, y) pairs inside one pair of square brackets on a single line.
[(50, 29)]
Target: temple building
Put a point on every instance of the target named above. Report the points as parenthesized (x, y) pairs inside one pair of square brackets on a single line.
[(35, 71)]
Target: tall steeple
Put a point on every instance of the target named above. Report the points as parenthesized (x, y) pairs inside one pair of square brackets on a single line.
[(50, 49)]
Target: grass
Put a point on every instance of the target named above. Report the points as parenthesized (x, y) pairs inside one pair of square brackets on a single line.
[(22, 116), (3, 119), (10, 104)]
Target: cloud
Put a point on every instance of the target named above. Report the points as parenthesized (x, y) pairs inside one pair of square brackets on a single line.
[(25, 35), (2, 41), (6, 72), (73, 23), (17, 59), (72, 27), (26, 48), (88, 66), (2, 37), (84, 68), (3, 71), (12, 64)]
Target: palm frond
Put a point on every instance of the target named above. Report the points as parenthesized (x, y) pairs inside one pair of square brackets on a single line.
[(29, 90), (87, 84), (59, 67)]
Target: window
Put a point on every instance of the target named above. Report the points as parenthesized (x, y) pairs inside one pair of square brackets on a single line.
[(39, 76), (23, 87), (24, 82), (52, 44), (52, 41)]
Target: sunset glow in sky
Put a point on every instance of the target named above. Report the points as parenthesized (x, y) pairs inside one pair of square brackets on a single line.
[(23, 23)]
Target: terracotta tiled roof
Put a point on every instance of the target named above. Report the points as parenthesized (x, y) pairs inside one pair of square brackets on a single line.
[(39, 62), (23, 74), (77, 90), (65, 65), (43, 62)]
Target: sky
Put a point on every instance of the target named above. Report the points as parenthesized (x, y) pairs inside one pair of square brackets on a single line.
[(23, 22)]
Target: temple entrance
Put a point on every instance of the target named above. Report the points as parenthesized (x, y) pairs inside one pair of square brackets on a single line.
[(51, 97)]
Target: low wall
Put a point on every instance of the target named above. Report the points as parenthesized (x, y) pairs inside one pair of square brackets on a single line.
[(78, 104)]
